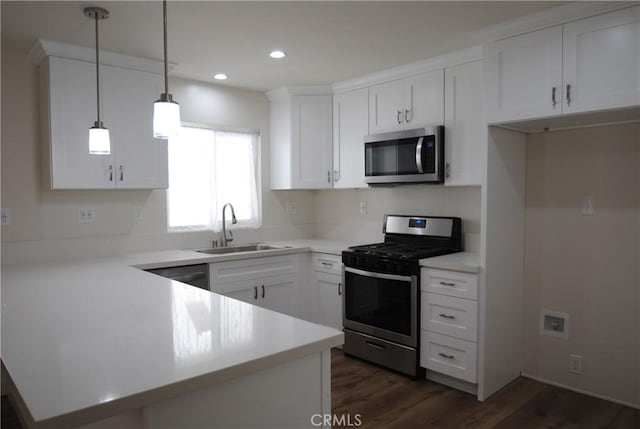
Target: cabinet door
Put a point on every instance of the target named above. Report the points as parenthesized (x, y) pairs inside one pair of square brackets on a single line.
[(601, 68), (350, 125), (386, 109), (141, 161), (424, 99), (71, 111), (249, 295), (327, 305), (312, 134), (279, 294), (523, 73), (465, 128)]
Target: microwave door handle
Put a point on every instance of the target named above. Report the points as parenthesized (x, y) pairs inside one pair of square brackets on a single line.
[(419, 155)]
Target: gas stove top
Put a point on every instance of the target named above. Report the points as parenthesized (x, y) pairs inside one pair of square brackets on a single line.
[(407, 240), (399, 250)]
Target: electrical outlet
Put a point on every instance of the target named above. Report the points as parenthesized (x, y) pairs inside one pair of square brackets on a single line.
[(6, 216), (291, 208), (575, 364), (138, 213), (86, 214), (363, 208), (587, 206)]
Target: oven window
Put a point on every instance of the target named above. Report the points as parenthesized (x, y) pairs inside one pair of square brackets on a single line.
[(377, 302)]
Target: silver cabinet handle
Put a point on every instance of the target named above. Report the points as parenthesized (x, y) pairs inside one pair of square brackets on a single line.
[(111, 173), (121, 173), (399, 116), (444, 355), (263, 291), (446, 316), (374, 345), (419, 155), (255, 292), (406, 115), (447, 284), (553, 96), (339, 289), (568, 94)]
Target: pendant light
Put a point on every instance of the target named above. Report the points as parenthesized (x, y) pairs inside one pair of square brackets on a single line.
[(166, 112), (99, 143)]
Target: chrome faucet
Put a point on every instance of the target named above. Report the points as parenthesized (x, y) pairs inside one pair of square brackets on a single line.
[(225, 241)]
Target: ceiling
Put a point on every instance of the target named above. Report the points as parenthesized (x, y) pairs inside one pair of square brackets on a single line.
[(326, 42)]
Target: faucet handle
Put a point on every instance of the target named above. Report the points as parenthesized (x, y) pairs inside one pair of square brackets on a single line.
[(230, 236)]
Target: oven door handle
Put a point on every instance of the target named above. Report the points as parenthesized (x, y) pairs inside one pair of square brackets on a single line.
[(379, 275), (419, 155)]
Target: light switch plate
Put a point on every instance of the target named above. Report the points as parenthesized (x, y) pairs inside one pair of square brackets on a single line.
[(587, 206), (138, 213), (6, 216), (363, 208)]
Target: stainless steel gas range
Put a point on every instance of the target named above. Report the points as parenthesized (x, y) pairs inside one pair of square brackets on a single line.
[(381, 305)]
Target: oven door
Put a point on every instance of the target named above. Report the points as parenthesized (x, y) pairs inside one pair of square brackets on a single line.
[(382, 305)]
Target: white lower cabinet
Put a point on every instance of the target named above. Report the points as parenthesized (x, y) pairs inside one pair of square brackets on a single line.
[(270, 282), (327, 290), (449, 323)]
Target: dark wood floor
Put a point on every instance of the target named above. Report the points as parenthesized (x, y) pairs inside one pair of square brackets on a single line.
[(384, 399), (388, 400)]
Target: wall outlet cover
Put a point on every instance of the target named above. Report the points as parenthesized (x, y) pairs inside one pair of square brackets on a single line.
[(86, 214), (363, 208), (6, 216), (291, 208), (586, 208), (575, 364)]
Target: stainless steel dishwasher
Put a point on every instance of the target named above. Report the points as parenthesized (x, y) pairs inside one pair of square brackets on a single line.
[(194, 275)]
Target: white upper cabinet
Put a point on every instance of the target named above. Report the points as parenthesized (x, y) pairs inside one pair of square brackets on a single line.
[(586, 65), (601, 68), (350, 125), (301, 140), (465, 127), (412, 102), (137, 160), (524, 76)]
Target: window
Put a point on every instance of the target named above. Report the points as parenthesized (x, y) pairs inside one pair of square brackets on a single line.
[(207, 169)]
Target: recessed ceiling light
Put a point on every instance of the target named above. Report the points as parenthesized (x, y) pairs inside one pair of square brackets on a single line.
[(220, 76), (277, 54)]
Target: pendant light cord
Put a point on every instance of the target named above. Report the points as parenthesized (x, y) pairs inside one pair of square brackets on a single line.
[(166, 60), (97, 70)]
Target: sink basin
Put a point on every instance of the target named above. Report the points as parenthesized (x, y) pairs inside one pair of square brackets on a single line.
[(254, 247)]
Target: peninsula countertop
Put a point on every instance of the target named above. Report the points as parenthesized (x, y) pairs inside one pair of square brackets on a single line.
[(85, 340)]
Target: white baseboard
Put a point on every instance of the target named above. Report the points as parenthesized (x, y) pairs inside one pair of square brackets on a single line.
[(584, 392)]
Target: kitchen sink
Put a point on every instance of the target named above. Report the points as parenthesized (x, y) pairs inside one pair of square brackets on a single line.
[(253, 247)]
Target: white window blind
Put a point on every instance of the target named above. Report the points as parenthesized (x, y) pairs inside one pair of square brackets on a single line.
[(207, 169)]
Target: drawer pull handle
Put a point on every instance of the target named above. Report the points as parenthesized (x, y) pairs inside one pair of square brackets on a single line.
[(326, 264), (263, 291), (255, 292), (339, 289), (446, 316), (444, 355), (447, 284), (375, 346)]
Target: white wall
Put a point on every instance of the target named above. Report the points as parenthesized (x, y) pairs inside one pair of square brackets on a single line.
[(338, 211), (45, 224), (586, 266)]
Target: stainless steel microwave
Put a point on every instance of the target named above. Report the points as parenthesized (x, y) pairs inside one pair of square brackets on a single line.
[(412, 156)]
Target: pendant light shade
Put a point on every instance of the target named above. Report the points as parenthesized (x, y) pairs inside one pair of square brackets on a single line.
[(166, 112), (99, 142)]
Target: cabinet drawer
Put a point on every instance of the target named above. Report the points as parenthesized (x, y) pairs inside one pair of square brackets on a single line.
[(248, 269), (448, 355), (326, 263), (445, 315), (450, 283)]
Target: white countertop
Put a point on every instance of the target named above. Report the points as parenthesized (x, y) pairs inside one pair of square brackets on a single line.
[(91, 339), (466, 262)]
